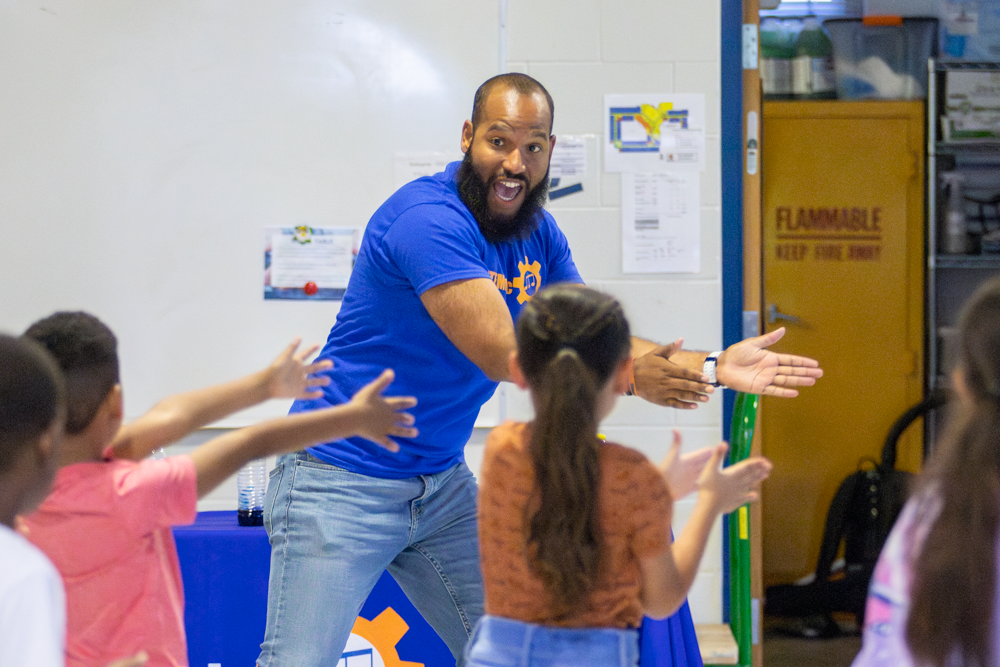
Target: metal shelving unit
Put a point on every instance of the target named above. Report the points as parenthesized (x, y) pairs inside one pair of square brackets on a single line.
[(950, 278)]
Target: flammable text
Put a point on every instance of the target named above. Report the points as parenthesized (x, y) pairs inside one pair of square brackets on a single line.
[(846, 219)]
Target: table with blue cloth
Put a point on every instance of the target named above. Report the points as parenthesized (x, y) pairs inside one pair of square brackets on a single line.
[(225, 570)]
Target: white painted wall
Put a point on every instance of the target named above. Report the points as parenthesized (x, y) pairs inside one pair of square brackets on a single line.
[(581, 50)]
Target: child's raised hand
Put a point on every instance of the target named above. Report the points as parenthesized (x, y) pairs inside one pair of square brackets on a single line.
[(380, 417), (681, 471), (289, 374), (735, 485)]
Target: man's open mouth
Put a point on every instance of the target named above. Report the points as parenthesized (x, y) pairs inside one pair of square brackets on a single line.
[(507, 189)]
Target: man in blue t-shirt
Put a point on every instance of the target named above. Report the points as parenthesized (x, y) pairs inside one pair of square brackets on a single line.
[(445, 265)]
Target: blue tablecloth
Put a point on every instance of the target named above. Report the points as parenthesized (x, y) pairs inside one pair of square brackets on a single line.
[(225, 569)]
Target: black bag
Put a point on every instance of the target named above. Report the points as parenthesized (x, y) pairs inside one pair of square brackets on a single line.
[(860, 517)]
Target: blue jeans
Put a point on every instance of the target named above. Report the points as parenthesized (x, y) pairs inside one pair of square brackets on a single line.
[(503, 642), (332, 534)]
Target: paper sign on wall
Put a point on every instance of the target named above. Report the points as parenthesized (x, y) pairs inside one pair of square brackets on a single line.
[(411, 166), (654, 133), (661, 229), (568, 166)]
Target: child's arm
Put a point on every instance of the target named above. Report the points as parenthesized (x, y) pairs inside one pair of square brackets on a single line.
[(367, 414), (667, 577), (175, 417)]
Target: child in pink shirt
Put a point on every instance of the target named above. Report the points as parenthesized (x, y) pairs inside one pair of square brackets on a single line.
[(106, 524)]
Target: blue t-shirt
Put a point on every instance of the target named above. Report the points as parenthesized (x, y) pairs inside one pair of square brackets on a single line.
[(421, 237)]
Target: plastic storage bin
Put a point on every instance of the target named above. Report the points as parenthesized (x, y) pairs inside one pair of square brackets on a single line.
[(886, 61)]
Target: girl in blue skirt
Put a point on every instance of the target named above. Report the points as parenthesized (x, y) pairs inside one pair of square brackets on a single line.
[(575, 532)]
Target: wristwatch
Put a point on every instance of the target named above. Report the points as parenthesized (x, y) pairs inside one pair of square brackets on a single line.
[(711, 361)]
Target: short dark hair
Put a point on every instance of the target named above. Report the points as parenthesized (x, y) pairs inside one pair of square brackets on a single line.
[(32, 396), (87, 352), (522, 83)]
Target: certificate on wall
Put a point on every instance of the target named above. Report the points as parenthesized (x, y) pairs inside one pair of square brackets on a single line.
[(308, 263), (661, 223)]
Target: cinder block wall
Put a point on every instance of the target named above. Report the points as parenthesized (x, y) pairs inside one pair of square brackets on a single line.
[(581, 50)]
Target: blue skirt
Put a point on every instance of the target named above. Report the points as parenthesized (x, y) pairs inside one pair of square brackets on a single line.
[(670, 642)]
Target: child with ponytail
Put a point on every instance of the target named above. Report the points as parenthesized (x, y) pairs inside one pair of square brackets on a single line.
[(575, 532), (933, 597)]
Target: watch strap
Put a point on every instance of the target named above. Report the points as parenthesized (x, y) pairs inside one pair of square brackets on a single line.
[(709, 368)]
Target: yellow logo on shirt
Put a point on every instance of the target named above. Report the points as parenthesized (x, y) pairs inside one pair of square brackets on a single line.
[(529, 280), (527, 283)]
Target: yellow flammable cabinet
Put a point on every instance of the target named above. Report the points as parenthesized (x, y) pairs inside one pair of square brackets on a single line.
[(843, 266)]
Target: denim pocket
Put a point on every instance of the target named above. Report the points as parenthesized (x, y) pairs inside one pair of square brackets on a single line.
[(307, 459), (273, 481)]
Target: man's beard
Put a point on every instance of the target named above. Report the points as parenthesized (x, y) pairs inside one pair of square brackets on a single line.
[(496, 228)]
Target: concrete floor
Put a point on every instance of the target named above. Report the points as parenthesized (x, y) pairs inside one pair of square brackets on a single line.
[(782, 648), (782, 651)]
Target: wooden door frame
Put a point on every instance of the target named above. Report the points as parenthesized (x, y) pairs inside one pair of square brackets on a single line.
[(742, 281)]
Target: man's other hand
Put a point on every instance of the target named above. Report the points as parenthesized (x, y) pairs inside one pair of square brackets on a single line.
[(661, 381)]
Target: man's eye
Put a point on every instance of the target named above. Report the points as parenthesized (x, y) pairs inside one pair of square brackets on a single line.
[(497, 141), (535, 148)]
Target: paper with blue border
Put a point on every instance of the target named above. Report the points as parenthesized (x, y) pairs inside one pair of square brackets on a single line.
[(296, 256), (649, 133)]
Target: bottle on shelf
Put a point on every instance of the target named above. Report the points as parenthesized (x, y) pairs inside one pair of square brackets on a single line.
[(777, 49), (251, 482), (812, 66), (956, 230)]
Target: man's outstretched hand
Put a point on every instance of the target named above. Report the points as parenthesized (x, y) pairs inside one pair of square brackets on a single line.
[(748, 366)]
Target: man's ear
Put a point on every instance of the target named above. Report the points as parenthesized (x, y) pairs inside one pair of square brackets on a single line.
[(516, 374), (468, 132)]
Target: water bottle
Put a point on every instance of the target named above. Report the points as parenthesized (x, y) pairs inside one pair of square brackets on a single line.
[(812, 68), (777, 49), (251, 484)]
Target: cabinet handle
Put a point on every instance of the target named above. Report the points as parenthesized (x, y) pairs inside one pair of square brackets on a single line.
[(773, 315)]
